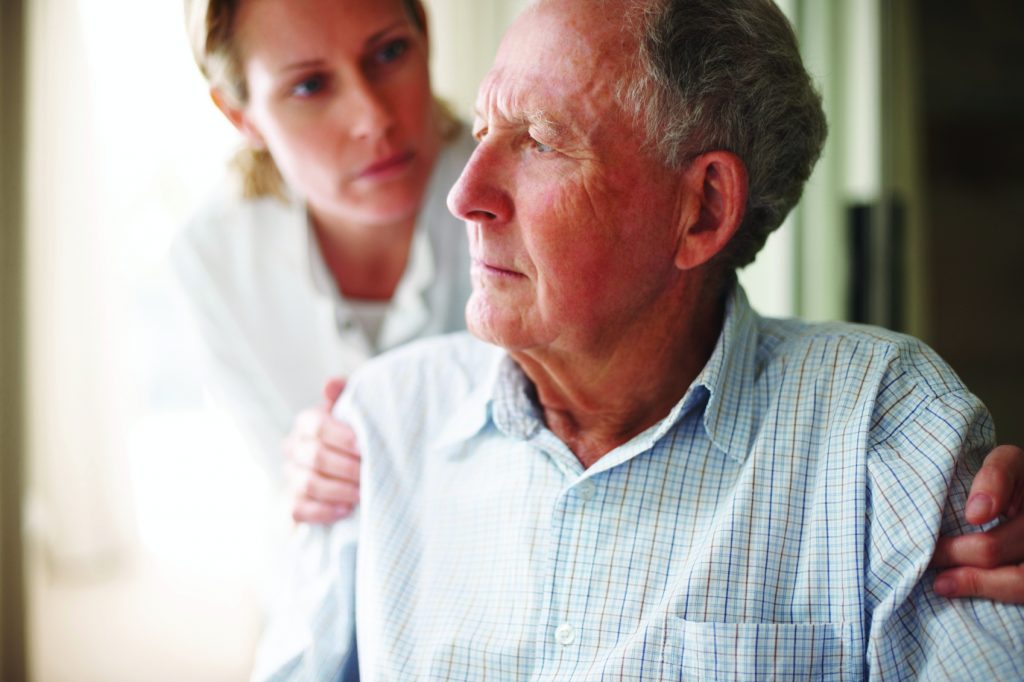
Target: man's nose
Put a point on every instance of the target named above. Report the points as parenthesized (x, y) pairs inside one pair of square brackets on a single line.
[(369, 112), (480, 195)]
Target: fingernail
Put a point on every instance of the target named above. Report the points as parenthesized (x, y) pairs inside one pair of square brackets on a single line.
[(980, 506), (945, 586)]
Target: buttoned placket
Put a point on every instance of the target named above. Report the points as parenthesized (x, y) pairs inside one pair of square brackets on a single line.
[(562, 626)]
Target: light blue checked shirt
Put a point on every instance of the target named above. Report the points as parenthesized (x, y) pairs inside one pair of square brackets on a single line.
[(775, 525)]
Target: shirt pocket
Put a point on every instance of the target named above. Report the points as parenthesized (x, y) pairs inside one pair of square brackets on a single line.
[(787, 652)]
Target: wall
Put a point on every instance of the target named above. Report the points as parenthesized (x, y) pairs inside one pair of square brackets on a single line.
[(972, 114), (12, 606)]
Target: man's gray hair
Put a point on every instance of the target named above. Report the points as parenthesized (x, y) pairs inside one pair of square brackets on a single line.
[(727, 75)]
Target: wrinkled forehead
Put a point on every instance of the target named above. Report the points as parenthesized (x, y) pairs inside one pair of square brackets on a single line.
[(561, 52)]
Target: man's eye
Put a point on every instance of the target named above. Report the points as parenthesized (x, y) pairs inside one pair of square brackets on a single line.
[(391, 51), (541, 147), (308, 86)]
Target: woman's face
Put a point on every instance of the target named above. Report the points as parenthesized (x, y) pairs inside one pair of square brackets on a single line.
[(339, 93)]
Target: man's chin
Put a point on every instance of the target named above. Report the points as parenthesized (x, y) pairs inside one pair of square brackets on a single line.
[(486, 332), (494, 330)]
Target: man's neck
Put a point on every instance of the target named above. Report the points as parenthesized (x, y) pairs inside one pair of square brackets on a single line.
[(596, 401)]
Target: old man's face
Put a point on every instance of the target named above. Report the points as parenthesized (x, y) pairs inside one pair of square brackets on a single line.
[(571, 225)]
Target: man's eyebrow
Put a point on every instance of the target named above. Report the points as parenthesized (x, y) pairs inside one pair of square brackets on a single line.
[(536, 118), (551, 126)]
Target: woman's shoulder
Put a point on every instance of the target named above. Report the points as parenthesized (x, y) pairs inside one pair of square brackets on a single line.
[(455, 152), (235, 245), (458, 148), (227, 221), (446, 233)]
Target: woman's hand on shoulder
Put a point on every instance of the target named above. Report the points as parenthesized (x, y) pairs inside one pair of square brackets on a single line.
[(322, 467), (990, 564)]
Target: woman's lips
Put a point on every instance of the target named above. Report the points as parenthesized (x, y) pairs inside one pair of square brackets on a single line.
[(387, 167)]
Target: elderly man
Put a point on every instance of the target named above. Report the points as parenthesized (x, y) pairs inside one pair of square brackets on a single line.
[(627, 473)]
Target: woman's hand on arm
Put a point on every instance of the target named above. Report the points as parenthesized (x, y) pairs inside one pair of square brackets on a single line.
[(989, 564), (322, 468)]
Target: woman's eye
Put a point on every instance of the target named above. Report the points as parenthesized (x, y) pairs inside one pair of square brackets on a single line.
[(308, 86), (391, 51)]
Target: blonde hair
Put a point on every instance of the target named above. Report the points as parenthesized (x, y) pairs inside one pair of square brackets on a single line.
[(210, 26)]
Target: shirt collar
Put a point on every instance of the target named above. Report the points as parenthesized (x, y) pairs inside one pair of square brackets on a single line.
[(728, 379), (724, 388), (474, 412)]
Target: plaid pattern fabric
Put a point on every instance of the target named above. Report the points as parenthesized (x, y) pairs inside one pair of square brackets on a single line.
[(775, 525)]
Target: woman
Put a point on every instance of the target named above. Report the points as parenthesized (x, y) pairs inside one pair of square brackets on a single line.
[(337, 243)]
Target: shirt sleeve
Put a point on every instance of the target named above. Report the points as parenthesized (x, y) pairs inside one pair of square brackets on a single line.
[(919, 475), (233, 378), (310, 629)]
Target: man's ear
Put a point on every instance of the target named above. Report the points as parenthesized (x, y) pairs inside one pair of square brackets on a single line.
[(716, 183), (238, 118)]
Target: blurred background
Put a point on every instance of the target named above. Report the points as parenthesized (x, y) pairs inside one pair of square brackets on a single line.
[(133, 527)]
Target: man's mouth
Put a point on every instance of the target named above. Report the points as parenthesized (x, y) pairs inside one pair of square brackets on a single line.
[(495, 269)]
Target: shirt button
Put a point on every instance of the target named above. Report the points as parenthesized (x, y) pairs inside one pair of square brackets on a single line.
[(565, 634), (586, 490)]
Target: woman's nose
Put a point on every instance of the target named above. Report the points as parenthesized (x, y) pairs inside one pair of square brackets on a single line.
[(370, 113)]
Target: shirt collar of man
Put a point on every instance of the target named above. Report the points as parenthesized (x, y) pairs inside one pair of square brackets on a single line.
[(724, 390)]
